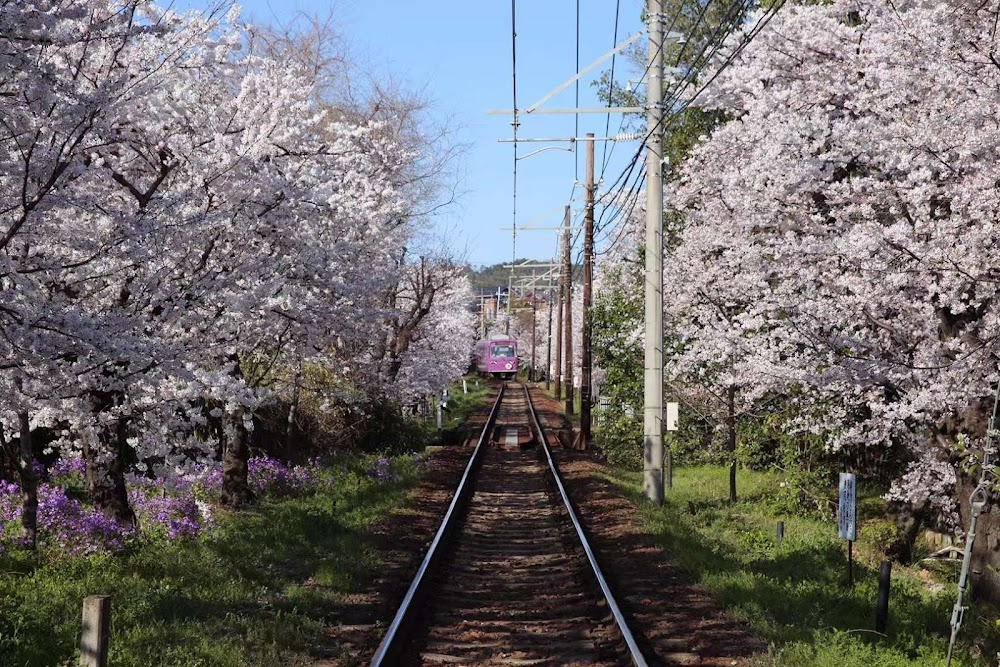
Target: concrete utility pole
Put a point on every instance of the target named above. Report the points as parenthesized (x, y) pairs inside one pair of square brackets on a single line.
[(588, 280), (568, 311), (652, 422), (559, 311)]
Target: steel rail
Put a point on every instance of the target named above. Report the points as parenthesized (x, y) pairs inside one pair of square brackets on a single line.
[(634, 653), (389, 649)]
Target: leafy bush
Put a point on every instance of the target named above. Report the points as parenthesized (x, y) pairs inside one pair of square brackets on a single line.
[(619, 437), (880, 538), (389, 431)]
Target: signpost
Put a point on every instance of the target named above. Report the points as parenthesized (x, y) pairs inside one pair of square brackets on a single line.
[(847, 518)]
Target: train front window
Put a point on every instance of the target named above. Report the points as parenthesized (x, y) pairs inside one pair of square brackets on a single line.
[(502, 351)]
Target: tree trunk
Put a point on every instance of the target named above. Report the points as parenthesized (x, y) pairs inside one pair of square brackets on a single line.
[(910, 519), (106, 461), (235, 464), (983, 569), (293, 409), (29, 485), (731, 432), (235, 453), (23, 459)]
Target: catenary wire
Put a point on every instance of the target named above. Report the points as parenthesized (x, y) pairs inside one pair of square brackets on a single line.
[(733, 18)]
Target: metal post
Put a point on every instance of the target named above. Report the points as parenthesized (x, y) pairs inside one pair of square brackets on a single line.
[(510, 293), (977, 503), (96, 631), (850, 562), (670, 469), (652, 425), (882, 602), (588, 279)]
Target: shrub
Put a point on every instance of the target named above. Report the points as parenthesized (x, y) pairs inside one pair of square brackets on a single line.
[(619, 437), (881, 538)]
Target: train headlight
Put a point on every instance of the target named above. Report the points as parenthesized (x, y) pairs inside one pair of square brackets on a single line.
[(509, 366)]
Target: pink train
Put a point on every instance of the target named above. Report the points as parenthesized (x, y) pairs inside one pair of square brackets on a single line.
[(497, 357)]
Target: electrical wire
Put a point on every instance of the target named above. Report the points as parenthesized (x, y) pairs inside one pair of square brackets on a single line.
[(611, 85), (576, 127), (731, 21), (645, 72)]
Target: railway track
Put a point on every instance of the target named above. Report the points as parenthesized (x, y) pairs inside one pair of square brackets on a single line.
[(509, 578)]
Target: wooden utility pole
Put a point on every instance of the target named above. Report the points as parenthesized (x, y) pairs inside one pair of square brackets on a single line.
[(559, 311), (548, 346), (588, 280), (568, 312), (534, 328)]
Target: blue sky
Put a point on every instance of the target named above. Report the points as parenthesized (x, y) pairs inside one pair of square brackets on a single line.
[(459, 53)]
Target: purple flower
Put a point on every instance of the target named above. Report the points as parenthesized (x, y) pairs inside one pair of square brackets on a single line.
[(268, 475), (67, 467), (382, 471), (171, 516), (65, 524)]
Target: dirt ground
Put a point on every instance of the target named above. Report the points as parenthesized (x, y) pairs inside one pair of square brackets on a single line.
[(680, 623), (357, 626)]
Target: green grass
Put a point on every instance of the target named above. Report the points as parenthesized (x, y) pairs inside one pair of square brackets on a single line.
[(462, 405), (794, 595), (257, 591), (551, 393)]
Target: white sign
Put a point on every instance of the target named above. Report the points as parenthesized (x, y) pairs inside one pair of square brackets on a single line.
[(847, 511), (671, 416)]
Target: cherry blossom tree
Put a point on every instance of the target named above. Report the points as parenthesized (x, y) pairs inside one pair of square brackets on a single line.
[(840, 227), (180, 214)]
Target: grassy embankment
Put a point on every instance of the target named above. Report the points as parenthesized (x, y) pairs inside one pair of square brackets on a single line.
[(575, 417), (461, 405), (255, 591), (794, 595)]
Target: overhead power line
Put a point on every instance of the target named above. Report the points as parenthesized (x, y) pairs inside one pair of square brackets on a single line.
[(680, 100)]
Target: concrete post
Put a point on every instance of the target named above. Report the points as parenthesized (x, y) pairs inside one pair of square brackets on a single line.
[(96, 631)]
